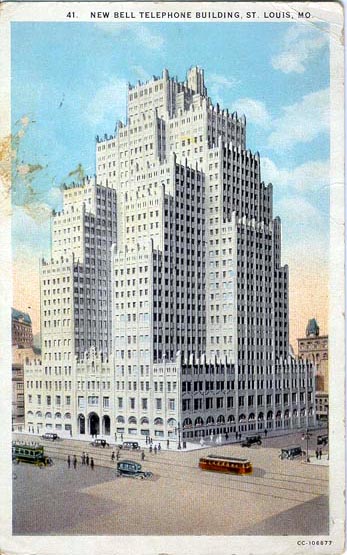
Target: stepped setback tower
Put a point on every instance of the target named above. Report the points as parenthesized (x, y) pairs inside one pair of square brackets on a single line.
[(164, 307)]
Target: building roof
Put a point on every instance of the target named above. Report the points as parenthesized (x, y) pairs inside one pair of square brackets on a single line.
[(312, 328), (20, 316)]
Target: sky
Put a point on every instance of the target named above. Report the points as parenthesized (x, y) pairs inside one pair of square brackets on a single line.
[(69, 84)]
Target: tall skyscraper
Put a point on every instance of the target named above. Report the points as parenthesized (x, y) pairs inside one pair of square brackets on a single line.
[(173, 258)]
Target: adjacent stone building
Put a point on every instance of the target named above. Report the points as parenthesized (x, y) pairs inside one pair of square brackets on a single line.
[(314, 348), (164, 308)]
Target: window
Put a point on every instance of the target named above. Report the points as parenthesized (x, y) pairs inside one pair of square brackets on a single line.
[(120, 402), (158, 404), (106, 402), (171, 404), (144, 404), (132, 403)]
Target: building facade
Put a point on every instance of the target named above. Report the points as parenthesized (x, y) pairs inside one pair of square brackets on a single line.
[(22, 334), (315, 348), (185, 327)]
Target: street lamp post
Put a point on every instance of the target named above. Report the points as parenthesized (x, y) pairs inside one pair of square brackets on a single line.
[(307, 436), (178, 430)]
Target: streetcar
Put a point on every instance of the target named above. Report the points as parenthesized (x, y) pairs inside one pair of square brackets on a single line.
[(30, 454), (229, 465)]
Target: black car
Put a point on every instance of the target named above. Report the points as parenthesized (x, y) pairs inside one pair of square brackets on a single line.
[(100, 443), (291, 452), (132, 469), (322, 440), (251, 440), (130, 446), (51, 436)]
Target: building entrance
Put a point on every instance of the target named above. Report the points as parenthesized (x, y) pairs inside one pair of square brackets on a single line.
[(94, 424)]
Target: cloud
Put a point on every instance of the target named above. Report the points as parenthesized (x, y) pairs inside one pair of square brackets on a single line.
[(143, 35), (217, 84), (254, 110), (310, 176), (301, 122), (299, 210), (108, 102), (300, 45)]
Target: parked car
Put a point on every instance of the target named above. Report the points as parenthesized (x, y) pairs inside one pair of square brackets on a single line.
[(132, 469), (291, 452), (100, 443), (251, 440), (51, 436), (130, 446), (322, 440)]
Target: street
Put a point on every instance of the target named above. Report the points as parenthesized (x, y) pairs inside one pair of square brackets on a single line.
[(280, 497)]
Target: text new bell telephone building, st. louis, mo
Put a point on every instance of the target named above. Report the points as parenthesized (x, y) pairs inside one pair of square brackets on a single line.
[(164, 306)]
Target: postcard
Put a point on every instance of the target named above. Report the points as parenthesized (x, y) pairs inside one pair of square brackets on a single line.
[(172, 277)]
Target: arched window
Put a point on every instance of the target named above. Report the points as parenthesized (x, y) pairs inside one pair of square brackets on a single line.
[(158, 422), (199, 421), (269, 415), (261, 416), (39, 413), (48, 415), (144, 420), (231, 418), (132, 420), (187, 423), (220, 419), (251, 416), (58, 415), (120, 419), (210, 420), (172, 422), (242, 418), (67, 415)]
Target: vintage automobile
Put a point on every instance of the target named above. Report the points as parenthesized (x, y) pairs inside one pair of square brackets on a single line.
[(322, 440), (291, 452), (30, 454), (100, 443), (251, 440), (130, 446), (51, 436), (132, 469)]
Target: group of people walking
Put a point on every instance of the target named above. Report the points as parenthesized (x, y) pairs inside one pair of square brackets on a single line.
[(319, 454), (85, 460)]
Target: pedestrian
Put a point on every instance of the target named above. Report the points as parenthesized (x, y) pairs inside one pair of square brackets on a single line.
[(117, 456), (320, 453), (121, 437), (112, 456), (159, 447), (265, 432), (317, 454), (92, 463), (226, 437), (75, 462), (84, 458), (68, 461), (142, 456), (150, 448), (115, 438), (87, 459), (168, 444), (155, 450)]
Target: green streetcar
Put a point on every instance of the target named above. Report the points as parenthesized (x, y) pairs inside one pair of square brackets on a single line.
[(30, 454)]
